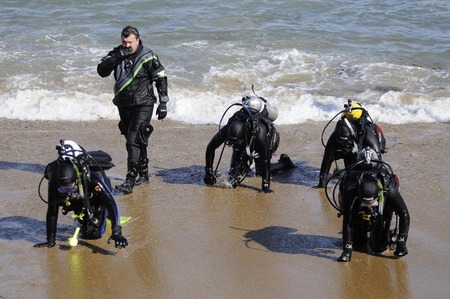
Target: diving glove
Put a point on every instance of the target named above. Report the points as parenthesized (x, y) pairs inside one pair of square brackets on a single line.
[(161, 111), (119, 240), (209, 178)]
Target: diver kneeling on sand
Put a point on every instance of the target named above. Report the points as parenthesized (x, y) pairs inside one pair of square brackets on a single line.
[(254, 139), (369, 196), (77, 182), (354, 131)]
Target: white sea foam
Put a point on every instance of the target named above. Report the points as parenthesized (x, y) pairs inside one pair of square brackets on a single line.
[(203, 108), (298, 57)]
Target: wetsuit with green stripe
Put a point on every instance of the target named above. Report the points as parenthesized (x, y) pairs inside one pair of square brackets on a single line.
[(134, 96), (134, 76)]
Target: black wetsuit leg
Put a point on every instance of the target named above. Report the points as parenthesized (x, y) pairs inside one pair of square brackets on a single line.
[(131, 119)]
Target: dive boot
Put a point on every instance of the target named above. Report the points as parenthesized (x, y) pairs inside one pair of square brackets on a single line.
[(127, 186), (401, 249), (346, 255), (142, 171)]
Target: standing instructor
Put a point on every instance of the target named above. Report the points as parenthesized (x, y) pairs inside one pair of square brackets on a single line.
[(135, 68)]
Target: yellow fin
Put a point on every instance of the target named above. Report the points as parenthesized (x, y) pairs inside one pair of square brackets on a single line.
[(123, 220)]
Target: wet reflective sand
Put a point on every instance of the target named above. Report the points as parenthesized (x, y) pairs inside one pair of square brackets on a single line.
[(192, 241)]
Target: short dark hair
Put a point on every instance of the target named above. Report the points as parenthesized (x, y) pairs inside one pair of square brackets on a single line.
[(129, 30)]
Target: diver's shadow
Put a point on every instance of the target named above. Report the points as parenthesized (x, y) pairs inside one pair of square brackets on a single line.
[(301, 174), (192, 175), (28, 229), (34, 231), (95, 249), (283, 240), (30, 167)]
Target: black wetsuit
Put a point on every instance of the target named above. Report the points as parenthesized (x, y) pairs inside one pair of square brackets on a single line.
[(262, 144), (100, 202), (364, 135), (393, 201), (135, 97)]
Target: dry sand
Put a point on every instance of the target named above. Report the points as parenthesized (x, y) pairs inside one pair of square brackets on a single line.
[(192, 241)]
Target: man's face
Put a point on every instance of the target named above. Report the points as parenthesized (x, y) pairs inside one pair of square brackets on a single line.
[(131, 42)]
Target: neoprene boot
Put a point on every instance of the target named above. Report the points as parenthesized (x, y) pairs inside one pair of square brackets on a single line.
[(265, 186), (401, 249), (51, 240), (346, 255), (286, 161), (283, 163), (127, 186), (142, 170)]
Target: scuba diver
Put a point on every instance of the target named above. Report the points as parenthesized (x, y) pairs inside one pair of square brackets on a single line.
[(254, 139), (369, 188), (354, 131), (77, 182), (137, 72)]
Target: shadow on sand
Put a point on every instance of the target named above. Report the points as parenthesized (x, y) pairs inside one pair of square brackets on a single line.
[(283, 240)]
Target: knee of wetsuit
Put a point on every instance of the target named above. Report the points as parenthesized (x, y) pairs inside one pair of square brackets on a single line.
[(145, 130)]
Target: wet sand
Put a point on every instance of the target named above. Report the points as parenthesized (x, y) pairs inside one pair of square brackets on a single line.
[(192, 241)]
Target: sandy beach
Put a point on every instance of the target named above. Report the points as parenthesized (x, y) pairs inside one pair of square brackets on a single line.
[(188, 240)]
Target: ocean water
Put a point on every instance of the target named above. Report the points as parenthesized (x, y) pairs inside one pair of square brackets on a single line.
[(306, 57)]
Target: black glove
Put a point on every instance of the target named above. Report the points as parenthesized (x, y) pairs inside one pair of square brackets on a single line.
[(209, 178), (120, 53), (161, 111), (48, 244), (266, 186), (119, 240)]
